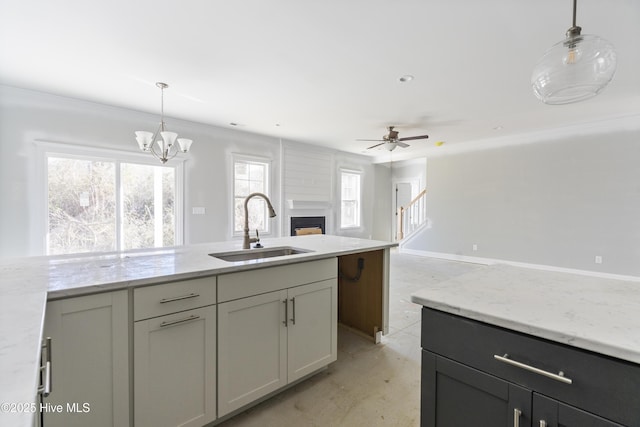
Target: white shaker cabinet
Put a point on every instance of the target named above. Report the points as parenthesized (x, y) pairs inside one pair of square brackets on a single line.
[(269, 340), (312, 328), (90, 359), (175, 354), (252, 347)]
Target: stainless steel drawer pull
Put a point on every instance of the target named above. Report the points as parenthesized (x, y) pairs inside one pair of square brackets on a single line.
[(516, 417), (180, 298), (558, 377), (293, 303), (175, 322), (45, 389)]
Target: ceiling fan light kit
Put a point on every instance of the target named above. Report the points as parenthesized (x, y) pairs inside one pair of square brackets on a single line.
[(166, 148), (391, 140), (574, 69)]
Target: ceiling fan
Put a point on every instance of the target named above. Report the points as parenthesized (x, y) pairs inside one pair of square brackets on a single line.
[(391, 140)]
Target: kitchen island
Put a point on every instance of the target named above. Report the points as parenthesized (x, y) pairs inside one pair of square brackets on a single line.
[(543, 347), (27, 284)]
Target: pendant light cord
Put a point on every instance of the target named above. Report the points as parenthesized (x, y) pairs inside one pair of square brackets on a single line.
[(575, 5)]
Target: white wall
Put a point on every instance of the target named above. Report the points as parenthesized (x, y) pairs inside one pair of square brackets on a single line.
[(554, 202), (27, 116)]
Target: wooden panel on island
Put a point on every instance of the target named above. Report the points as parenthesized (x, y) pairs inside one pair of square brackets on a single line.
[(360, 292)]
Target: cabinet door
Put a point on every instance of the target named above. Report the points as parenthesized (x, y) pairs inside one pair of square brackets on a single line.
[(252, 345), (312, 328), (175, 369), (457, 395), (551, 413), (90, 359)]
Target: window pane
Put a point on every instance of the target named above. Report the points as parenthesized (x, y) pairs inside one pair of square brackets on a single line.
[(241, 170), (148, 214), (256, 187), (242, 188), (81, 206), (256, 172)]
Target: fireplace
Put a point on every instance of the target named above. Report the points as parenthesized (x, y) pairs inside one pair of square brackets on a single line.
[(307, 225)]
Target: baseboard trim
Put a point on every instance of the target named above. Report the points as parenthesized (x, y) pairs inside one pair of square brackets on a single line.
[(492, 261)]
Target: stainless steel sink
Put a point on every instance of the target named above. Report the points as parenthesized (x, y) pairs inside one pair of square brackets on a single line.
[(257, 254)]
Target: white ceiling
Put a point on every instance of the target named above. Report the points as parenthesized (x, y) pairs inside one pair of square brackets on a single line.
[(326, 71)]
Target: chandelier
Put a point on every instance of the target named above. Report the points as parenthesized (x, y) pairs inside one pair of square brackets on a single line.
[(575, 69), (166, 149)]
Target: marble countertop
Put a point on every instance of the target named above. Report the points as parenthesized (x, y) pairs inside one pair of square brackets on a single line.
[(27, 283), (597, 314)]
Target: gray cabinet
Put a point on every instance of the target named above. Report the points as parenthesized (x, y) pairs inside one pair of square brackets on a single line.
[(174, 338), (270, 340), (457, 395), (90, 361), (275, 326), (513, 379)]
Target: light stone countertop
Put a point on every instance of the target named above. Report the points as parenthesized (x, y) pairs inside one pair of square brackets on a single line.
[(597, 314), (27, 283)]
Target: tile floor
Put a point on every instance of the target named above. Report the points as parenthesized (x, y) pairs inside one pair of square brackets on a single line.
[(369, 385)]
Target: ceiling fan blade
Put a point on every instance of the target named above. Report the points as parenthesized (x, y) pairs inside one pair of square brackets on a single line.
[(411, 138), (374, 146), (403, 145), (371, 140)]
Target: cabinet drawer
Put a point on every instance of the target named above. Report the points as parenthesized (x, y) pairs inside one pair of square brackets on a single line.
[(253, 282), (158, 300), (605, 386)]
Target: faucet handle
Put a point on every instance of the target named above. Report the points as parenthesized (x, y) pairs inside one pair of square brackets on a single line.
[(258, 245)]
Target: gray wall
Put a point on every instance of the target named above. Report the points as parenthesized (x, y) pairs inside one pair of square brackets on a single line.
[(557, 203), (26, 116)]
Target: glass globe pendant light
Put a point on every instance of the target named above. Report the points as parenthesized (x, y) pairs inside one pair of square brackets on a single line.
[(574, 69)]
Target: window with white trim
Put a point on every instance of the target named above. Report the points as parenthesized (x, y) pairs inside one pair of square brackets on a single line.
[(350, 199), (102, 204), (250, 175)]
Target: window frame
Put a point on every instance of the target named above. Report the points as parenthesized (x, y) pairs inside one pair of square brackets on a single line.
[(248, 158), (46, 149), (359, 174)]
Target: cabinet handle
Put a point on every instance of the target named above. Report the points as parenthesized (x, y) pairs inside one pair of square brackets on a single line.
[(286, 314), (180, 298), (558, 377), (45, 389), (516, 417), (175, 322), (293, 302), (543, 423)]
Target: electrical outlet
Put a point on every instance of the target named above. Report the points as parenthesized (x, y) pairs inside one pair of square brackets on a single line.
[(198, 211), (475, 247), (598, 259)]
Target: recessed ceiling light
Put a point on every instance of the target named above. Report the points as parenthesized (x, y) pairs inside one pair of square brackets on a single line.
[(406, 78), (498, 127)]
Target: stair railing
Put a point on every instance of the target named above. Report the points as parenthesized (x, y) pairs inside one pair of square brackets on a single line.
[(411, 217)]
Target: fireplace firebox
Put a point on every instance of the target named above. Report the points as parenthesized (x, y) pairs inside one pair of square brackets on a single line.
[(307, 225)]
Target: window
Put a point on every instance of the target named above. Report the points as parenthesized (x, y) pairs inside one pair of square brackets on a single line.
[(349, 199), (99, 204), (250, 175)]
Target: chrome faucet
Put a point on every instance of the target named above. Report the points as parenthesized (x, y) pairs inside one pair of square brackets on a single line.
[(246, 243)]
